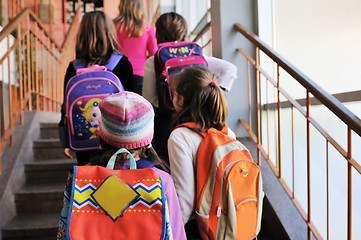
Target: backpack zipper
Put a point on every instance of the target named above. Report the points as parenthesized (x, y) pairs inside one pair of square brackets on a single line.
[(85, 80)]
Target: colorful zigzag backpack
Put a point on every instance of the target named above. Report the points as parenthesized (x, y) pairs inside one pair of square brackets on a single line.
[(117, 204)]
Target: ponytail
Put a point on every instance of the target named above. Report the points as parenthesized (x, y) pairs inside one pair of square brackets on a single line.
[(203, 101)]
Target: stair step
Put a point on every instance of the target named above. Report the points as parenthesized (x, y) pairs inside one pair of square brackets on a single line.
[(48, 171), (49, 130), (40, 198), (32, 227), (47, 149)]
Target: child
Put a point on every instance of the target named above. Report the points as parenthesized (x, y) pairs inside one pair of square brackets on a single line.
[(135, 37), (172, 27), (95, 44), (197, 98), (127, 121)]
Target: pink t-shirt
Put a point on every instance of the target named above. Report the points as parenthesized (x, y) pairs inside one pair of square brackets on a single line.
[(137, 49)]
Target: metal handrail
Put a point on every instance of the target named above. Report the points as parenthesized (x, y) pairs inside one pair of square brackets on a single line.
[(36, 83), (352, 122), (327, 99)]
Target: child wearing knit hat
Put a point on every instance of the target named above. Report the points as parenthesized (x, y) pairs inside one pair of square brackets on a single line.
[(127, 121)]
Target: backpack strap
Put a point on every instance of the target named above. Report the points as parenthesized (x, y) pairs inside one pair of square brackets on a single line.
[(193, 126), (113, 61), (78, 63), (111, 161), (143, 163)]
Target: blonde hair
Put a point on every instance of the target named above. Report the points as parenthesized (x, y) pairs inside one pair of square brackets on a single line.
[(89, 105), (203, 101), (96, 40), (132, 17)]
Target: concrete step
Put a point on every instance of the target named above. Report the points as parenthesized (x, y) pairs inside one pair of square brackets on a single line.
[(48, 171), (45, 149), (49, 130), (32, 227), (40, 198)]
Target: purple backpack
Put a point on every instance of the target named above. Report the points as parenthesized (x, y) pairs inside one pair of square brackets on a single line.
[(170, 58), (84, 92)]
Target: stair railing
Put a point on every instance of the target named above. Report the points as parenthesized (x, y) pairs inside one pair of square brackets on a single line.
[(283, 123), (32, 68), (202, 33)]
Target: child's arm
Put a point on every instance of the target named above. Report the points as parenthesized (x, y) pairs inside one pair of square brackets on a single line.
[(152, 46), (175, 215), (226, 72), (182, 149)]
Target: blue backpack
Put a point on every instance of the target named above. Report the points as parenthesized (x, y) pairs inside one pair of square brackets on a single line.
[(84, 92), (170, 58)]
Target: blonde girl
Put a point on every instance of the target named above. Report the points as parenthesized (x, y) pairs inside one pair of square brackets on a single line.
[(135, 36), (197, 98)]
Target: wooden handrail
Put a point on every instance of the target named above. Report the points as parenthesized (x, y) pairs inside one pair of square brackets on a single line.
[(345, 97), (327, 99), (200, 34), (196, 30)]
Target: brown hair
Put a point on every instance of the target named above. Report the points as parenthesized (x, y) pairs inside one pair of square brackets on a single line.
[(203, 101), (131, 17), (171, 27), (147, 153), (96, 40)]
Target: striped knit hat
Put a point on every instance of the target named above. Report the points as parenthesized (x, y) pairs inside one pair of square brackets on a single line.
[(127, 120)]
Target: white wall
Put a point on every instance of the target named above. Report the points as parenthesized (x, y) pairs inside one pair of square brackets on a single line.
[(323, 39)]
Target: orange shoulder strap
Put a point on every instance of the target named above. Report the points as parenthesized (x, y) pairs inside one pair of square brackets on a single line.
[(193, 125)]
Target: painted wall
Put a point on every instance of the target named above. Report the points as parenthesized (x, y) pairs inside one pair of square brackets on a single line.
[(322, 38), (225, 42)]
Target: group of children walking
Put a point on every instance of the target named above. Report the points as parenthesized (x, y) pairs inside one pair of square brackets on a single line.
[(127, 118)]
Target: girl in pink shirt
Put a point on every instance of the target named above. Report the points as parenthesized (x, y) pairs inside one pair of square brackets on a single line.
[(136, 37)]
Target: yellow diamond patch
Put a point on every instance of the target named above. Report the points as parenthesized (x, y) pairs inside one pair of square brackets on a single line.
[(114, 196)]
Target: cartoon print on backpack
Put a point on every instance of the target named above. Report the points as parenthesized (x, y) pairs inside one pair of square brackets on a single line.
[(86, 116), (84, 92)]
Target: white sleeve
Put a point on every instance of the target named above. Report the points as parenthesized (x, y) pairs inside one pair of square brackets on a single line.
[(149, 82), (182, 150), (231, 133), (226, 72)]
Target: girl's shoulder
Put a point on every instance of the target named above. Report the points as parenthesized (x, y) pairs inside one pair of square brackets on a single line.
[(184, 133), (148, 28), (143, 163), (166, 177), (185, 138)]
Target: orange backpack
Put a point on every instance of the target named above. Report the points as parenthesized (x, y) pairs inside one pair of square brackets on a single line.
[(117, 204), (229, 187)]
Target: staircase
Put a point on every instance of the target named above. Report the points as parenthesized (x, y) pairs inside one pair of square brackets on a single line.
[(39, 201)]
